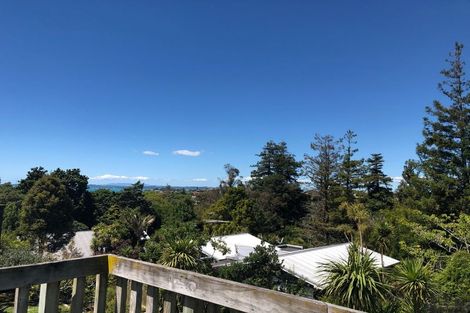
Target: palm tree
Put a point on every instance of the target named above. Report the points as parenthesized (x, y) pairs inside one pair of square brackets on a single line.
[(413, 282), (355, 282), (181, 253), (138, 223), (360, 215)]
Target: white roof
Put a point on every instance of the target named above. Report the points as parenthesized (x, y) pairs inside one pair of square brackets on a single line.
[(307, 264), (239, 246), (81, 242)]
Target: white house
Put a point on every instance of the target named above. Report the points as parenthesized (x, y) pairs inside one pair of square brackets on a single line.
[(305, 264)]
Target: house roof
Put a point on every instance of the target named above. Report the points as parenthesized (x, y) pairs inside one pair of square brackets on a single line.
[(307, 264), (239, 246)]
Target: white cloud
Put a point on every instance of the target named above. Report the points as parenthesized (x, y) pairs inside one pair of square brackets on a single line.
[(397, 179), (200, 179), (150, 153), (187, 153), (246, 179), (119, 177), (303, 181)]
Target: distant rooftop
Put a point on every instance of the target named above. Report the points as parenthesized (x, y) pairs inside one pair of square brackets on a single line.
[(239, 246), (307, 264)]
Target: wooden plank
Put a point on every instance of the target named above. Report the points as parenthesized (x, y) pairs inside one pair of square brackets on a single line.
[(226, 293), (21, 299), (135, 299), (121, 295), (151, 303), (49, 298), (13, 277), (100, 293), (169, 302), (78, 294)]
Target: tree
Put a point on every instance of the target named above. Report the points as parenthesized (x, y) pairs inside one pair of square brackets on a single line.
[(133, 197), (14, 252), (10, 202), (260, 268), (454, 280), (413, 282), (355, 282), (381, 237), (322, 170), (46, 213), (32, 176), (137, 224), (274, 181), (238, 212), (360, 215), (76, 186), (232, 179), (445, 150), (351, 171), (414, 190), (379, 192), (182, 253), (103, 199)]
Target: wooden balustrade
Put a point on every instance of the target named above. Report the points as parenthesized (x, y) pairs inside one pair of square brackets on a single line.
[(141, 285)]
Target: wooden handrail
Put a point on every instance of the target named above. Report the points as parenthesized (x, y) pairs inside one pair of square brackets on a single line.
[(19, 276), (196, 289), (242, 297)]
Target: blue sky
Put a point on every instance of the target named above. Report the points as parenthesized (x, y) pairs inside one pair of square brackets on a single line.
[(95, 84)]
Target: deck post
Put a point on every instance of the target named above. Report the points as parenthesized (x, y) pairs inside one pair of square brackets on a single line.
[(121, 295), (78, 294), (212, 308), (21, 299), (169, 302), (135, 301), (49, 298), (151, 303), (100, 293), (192, 305)]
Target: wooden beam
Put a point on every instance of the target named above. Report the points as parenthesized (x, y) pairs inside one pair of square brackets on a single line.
[(13, 277), (78, 294), (49, 298), (135, 301), (151, 303), (226, 293), (100, 293), (21, 299), (121, 295)]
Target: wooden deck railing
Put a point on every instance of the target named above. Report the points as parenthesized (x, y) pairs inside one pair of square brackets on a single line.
[(198, 293)]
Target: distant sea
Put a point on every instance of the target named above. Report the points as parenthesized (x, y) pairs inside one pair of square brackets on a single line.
[(120, 187)]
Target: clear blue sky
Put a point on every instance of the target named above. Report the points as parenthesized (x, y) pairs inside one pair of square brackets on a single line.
[(94, 84)]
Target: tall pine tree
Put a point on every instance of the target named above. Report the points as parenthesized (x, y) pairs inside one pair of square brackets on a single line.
[(351, 171), (445, 151), (274, 179), (322, 170), (379, 192)]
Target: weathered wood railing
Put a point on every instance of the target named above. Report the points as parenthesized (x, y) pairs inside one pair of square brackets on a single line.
[(196, 293)]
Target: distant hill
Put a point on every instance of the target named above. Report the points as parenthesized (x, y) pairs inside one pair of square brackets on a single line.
[(120, 186)]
